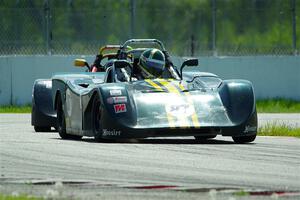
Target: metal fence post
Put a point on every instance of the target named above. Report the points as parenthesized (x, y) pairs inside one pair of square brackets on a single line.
[(132, 18), (294, 36), (48, 29), (192, 45), (214, 27)]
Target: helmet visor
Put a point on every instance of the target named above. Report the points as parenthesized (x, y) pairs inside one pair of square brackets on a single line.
[(157, 64)]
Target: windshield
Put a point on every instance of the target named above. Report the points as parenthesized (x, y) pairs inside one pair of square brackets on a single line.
[(203, 82)]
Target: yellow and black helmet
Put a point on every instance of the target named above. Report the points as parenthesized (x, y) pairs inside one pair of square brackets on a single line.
[(152, 63)]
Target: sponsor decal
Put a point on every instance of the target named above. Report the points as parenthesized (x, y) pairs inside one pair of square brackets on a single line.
[(121, 99), (183, 110), (118, 99), (120, 108), (115, 92), (112, 132), (250, 129)]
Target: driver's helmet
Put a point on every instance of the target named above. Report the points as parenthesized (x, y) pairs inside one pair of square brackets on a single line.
[(152, 63)]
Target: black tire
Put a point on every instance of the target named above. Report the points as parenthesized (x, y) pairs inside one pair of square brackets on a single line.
[(75, 137), (42, 128), (249, 138), (204, 138), (61, 123), (244, 139), (96, 117)]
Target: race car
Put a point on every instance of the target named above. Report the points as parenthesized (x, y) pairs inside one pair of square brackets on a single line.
[(113, 104)]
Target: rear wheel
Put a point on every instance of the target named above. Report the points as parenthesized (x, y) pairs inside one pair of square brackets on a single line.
[(61, 123), (96, 117), (204, 138), (244, 139), (42, 128)]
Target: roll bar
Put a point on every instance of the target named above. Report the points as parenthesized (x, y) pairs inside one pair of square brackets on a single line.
[(142, 41), (109, 47)]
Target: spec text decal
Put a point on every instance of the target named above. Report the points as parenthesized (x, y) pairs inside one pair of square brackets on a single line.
[(180, 110)]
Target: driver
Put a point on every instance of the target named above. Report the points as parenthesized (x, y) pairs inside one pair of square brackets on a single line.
[(97, 67), (151, 64)]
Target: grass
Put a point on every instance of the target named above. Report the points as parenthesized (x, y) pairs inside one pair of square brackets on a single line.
[(18, 197), (15, 109), (279, 130), (278, 106), (241, 193)]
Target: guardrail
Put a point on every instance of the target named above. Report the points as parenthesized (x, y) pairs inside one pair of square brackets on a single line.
[(272, 76)]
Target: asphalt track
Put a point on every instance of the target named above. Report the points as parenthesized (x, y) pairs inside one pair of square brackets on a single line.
[(155, 168)]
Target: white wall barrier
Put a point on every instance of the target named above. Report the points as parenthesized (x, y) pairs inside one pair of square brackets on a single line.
[(272, 76)]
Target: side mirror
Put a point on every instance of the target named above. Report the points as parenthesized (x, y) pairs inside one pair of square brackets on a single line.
[(189, 62), (81, 63)]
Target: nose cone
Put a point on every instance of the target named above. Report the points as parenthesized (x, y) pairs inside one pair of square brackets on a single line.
[(161, 110), (154, 110)]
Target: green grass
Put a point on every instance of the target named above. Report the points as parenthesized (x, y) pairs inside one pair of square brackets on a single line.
[(15, 109), (278, 106), (241, 193), (278, 130), (18, 197)]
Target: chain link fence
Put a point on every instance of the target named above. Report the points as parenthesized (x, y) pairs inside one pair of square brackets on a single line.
[(187, 28)]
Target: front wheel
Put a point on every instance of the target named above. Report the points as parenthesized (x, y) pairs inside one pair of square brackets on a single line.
[(61, 124), (248, 138), (243, 139), (96, 117)]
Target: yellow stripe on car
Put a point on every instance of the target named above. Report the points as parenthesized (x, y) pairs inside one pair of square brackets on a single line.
[(152, 83), (190, 101), (169, 116), (184, 122)]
